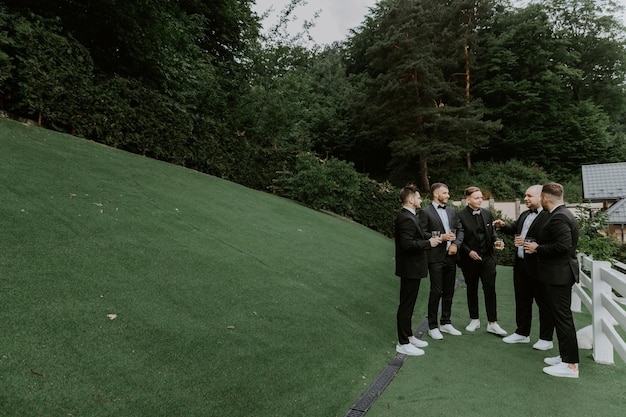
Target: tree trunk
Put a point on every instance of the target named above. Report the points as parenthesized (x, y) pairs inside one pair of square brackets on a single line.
[(468, 160)]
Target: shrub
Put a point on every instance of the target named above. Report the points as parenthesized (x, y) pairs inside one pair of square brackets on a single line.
[(376, 205), (594, 240), (324, 184), (335, 185), (502, 180)]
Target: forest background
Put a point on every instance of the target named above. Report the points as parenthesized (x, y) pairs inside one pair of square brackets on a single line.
[(463, 92)]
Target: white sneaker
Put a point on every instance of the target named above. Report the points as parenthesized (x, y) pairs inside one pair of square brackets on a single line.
[(516, 338), (409, 350), (448, 328), (435, 334), (543, 345), (562, 370), (474, 324), (496, 329), (553, 361), (417, 342)]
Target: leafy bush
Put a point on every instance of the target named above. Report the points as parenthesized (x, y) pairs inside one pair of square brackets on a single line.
[(376, 205), (620, 253), (335, 185), (502, 180), (324, 184), (52, 71), (594, 239)]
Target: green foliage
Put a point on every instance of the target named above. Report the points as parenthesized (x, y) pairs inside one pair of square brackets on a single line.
[(52, 71), (417, 94), (324, 184), (543, 73), (417, 98), (5, 59), (376, 206), (594, 239), (502, 180), (335, 186), (620, 253)]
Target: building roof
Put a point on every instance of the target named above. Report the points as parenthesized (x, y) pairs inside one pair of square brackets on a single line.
[(617, 213), (604, 182)]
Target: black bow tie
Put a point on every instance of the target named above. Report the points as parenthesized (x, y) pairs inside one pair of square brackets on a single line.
[(534, 211), (441, 207), (476, 212)]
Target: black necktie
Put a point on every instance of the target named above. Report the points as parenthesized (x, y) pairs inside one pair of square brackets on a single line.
[(534, 211), (441, 207)]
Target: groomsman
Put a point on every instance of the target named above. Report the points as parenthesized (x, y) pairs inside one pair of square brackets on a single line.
[(411, 266), (442, 219), (557, 272), (525, 284), (478, 261)]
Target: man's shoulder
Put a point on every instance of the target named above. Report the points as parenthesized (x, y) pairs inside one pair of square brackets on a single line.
[(563, 212), (463, 213)]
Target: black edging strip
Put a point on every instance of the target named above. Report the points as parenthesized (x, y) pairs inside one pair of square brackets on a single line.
[(369, 397)]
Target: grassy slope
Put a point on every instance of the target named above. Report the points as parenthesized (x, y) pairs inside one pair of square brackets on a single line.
[(229, 302)]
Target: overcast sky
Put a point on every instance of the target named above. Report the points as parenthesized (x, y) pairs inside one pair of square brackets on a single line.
[(336, 18)]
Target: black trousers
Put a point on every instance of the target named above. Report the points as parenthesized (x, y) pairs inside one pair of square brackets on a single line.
[(527, 290), (559, 300), (481, 271), (409, 288), (442, 280)]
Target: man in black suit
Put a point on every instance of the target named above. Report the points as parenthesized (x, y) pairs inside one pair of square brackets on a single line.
[(438, 217), (557, 272), (411, 267), (525, 285), (478, 261)]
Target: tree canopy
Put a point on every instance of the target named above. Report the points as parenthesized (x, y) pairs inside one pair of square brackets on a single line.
[(421, 91)]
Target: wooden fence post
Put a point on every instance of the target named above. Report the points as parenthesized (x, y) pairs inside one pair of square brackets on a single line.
[(602, 347)]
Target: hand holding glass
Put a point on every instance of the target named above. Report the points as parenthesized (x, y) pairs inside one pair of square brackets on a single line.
[(499, 244), (528, 240)]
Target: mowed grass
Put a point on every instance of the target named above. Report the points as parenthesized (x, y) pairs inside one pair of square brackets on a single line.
[(477, 375), (226, 301)]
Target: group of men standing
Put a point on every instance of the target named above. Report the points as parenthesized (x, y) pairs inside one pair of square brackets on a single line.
[(432, 241)]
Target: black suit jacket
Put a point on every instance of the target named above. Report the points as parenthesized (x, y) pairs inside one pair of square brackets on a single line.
[(470, 239), (411, 247), (430, 220), (536, 227), (556, 254)]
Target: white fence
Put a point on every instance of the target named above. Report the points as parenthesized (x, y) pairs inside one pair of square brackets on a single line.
[(598, 279)]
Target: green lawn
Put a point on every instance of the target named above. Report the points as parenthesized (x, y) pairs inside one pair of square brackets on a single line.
[(228, 302), (478, 375)]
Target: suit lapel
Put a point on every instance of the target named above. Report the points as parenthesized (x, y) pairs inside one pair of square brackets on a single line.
[(434, 213), (416, 221), (470, 223), (521, 220), (420, 232), (537, 222)]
